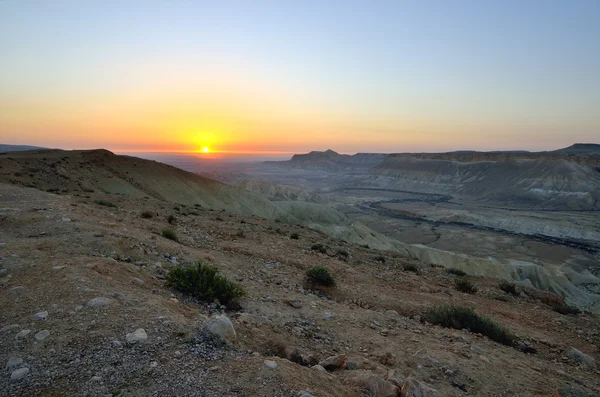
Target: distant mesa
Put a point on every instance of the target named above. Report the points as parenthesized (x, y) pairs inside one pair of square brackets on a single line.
[(18, 148)]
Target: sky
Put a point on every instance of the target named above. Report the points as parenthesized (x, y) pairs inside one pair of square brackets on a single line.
[(294, 76)]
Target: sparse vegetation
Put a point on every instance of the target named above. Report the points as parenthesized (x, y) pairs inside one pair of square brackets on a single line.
[(275, 347), (280, 232), (465, 285), (456, 272), (411, 267), (105, 203), (170, 234), (146, 215), (509, 288), (171, 219), (566, 309), (379, 258), (240, 233), (319, 248), (342, 254), (204, 282), (319, 275), (459, 317), (294, 236), (219, 219)]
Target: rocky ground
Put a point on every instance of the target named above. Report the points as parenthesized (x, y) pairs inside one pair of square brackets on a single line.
[(85, 311)]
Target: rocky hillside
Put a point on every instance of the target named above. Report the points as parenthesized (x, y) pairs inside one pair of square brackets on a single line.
[(86, 311)]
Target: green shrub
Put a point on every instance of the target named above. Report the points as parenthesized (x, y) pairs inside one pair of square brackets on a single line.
[(319, 275), (146, 215), (319, 248), (566, 309), (294, 236), (411, 267), (105, 203), (240, 233), (204, 282), (465, 285), (509, 288), (171, 219), (170, 234), (459, 317), (456, 272)]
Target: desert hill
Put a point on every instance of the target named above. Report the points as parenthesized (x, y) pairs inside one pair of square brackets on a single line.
[(331, 160), (87, 311), (17, 148)]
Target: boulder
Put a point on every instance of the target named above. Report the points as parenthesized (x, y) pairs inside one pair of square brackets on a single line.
[(375, 385), (19, 373), (395, 376), (579, 357), (413, 388), (139, 335), (221, 327), (99, 301), (270, 364), (333, 362), (13, 363), (43, 334)]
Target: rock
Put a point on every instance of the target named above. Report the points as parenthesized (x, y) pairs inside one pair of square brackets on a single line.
[(484, 359), (96, 379), (138, 281), (578, 357), (221, 327), (8, 327), (43, 334), (319, 368), (19, 373), (99, 301), (139, 335), (333, 362), (375, 385), (153, 364), (413, 388), (57, 267), (22, 334), (13, 363), (66, 219), (295, 303), (18, 288), (395, 376), (270, 364), (41, 315), (303, 393), (116, 344)]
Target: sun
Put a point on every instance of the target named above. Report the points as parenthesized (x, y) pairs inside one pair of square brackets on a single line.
[(205, 149)]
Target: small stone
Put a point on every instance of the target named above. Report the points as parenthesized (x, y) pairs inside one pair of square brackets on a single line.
[(139, 335), (222, 327), (385, 332), (333, 362), (303, 393), (14, 362), (41, 315), (66, 219), (297, 304), (8, 327), (19, 373), (138, 281), (43, 334), (414, 388), (319, 368), (117, 344), (328, 315), (153, 364), (57, 267), (484, 359), (270, 364), (96, 379), (16, 289), (99, 301), (177, 353), (22, 334)]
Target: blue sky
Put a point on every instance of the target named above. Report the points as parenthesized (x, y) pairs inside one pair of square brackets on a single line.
[(402, 74)]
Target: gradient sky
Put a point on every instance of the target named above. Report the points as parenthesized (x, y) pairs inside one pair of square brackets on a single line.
[(292, 76)]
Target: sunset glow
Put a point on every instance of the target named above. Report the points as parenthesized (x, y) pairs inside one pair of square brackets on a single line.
[(178, 76)]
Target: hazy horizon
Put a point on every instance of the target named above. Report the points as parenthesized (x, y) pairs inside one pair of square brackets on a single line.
[(384, 77)]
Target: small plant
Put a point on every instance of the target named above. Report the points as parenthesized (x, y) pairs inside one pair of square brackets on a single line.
[(240, 233), (171, 219), (342, 254), (204, 282), (459, 317), (509, 288), (275, 347), (280, 232), (379, 258), (319, 275), (464, 285), (294, 236), (146, 215), (319, 248), (242, 221), (456, 272), (170, 234), (105, 203), (411, 267), (566, 309), (219, 219)]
